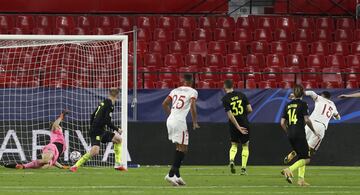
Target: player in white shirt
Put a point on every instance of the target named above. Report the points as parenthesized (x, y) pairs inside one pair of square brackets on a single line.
[(182, 100), (324, 110)]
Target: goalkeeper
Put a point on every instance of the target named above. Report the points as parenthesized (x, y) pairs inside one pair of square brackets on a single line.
[(50, 152), (100, 119)]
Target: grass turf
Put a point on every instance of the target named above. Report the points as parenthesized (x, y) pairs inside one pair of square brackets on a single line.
[(200, 180)]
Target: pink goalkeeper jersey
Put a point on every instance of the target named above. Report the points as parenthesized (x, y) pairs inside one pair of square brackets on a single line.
[(58, 136)]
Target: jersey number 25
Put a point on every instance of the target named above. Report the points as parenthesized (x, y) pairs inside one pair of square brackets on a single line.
[(178, 102)]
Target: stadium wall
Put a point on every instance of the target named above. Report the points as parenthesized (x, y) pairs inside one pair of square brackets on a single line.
[(209, 145)]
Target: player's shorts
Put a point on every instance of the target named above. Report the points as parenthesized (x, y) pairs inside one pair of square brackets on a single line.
[(314, 141), (53, 149), (105, 137), (177, 132), (237, 137), (300, 145)]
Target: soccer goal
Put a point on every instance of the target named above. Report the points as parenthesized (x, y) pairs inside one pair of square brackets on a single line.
[(41, 75)]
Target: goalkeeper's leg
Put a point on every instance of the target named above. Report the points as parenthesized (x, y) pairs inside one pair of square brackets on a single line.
[(117, 150)]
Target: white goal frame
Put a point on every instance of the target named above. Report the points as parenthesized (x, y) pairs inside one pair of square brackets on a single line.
[(124, 70)]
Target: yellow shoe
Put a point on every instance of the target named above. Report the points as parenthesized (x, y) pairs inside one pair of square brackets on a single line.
[(288, 175), (303, 183)]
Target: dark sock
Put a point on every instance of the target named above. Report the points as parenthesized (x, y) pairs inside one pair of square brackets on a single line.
[(179, 157)]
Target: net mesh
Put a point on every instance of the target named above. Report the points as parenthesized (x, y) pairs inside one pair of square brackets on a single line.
[(39, 79)]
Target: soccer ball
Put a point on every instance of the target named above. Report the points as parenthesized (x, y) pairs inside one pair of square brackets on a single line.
[(75, 156)]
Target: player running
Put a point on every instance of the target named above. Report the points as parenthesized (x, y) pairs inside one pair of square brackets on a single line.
[(181, 100), (51, 152), (100, 119), (237, 108), (293, 121), (324, 110), (354, 95)]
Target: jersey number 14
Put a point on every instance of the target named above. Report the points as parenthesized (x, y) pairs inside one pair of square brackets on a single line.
[(292, 116)]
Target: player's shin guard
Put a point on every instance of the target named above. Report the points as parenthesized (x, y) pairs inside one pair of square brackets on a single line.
[(83, 160), (244, 155), (297, 164), (301, 172), (179, 157), (233, 151), (117, 151)]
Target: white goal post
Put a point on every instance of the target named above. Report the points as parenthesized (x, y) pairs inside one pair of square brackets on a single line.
[(26, 104)]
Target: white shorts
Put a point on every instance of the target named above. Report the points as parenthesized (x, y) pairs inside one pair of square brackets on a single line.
[(177, 131), (314, 141)]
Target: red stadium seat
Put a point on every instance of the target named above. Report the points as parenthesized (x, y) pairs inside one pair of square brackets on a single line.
[(336, 61), (148, 73), (336, 77), (311, 74), (303, 35), (235, 60), (188, 69), (143, 34), (174, 60), (265, 22), (167, 22), (251, 73), (79, 31), (86, 22), (66, 22), (262, 35), (344, 35), (305, 22), (245, 23), (259, 47), (147, 22), (316, 61), (153, 59), (194, 60), (41, 31), (182, 34), (215, 60), (165, 84), (353, 61), (275, 60), (178, 47), (243, 35), (286, 84), (6, 22), (149, 84), (340, 48), (279, 47), (331, 85), (25, 22), (320, 47), (237, 47), (357, 35), (257, 61), (299, 48), (239, 84), (203, 34), (118, 31), (217, 47), (206, 22), (355, 48), (158, 47), (168, 74), (310, 84), (103, 21), (231, 73), (352, 84), (209, 74), (225, 22), (20, 31), (161, 34), (198, 47), (282, 35), (323, 35), (126, 22), (101, 31), (345, 23), (250, 84), (187, 22), (324, 23), (141, 47), (139, 60), (268, 84), (206, 85), (295, 60), (352, 74), (222, 34), (285, 23), (291, 74)]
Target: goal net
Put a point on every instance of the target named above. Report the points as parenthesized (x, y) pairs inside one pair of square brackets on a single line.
[(40, 76)]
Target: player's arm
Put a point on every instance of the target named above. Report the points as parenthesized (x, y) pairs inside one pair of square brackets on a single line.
[(57, 122), (249, 108), (108, 121), (60, 166), (283, 124), (310, 125), (336, 115), (312, 94), (354, 95), (166, 105), (232, 118), (194, 113)]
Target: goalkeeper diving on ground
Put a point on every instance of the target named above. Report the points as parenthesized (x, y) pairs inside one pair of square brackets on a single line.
[(51, 152)]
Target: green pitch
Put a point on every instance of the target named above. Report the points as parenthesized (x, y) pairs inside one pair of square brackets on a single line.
[(201, 180)]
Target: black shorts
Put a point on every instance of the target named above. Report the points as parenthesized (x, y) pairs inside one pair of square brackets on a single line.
[(237, 137), (105, 137), (300, 145)]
